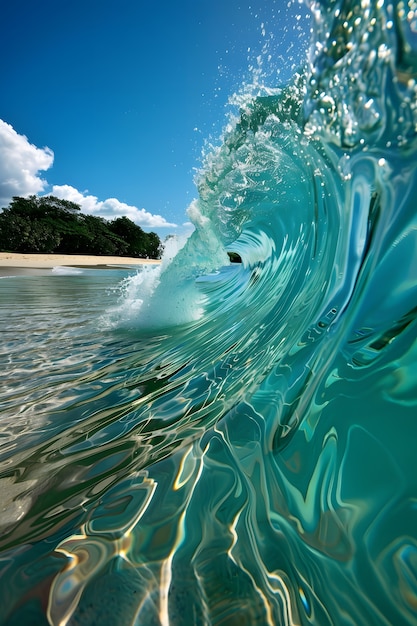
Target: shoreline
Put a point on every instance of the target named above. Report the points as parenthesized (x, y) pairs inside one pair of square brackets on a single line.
[(49, 261)]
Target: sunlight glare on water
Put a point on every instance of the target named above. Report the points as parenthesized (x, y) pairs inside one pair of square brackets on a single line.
[(209, 442)]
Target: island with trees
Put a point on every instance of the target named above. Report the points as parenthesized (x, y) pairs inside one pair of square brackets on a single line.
[(46, 224)]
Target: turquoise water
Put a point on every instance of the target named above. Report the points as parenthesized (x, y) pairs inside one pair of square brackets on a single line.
[(216, 443)]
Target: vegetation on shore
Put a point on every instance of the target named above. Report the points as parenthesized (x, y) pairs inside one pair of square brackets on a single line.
[(50, 225)]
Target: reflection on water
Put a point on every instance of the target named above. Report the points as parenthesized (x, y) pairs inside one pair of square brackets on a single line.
[(207, 443)]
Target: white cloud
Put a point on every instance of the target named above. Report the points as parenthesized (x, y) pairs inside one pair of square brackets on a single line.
[(20, 164), (110, 208)]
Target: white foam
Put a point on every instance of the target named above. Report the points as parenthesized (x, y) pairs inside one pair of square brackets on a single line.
[(158, 296), (65, 270)]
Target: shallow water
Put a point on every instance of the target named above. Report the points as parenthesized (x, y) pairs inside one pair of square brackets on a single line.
[(216, 443)]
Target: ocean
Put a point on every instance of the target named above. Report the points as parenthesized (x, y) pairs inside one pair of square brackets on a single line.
[(215, 443)]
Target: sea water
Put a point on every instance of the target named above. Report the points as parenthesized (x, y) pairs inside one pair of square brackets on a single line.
[(216, 443)]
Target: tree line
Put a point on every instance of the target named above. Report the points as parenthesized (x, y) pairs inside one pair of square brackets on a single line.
[(50, 225)]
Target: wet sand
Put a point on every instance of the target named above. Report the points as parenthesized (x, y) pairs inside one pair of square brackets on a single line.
[(48, 261)]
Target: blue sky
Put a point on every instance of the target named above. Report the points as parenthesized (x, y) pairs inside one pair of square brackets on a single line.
[(109, 103)]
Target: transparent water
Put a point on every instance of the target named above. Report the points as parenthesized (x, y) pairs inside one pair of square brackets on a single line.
[(216, 443)]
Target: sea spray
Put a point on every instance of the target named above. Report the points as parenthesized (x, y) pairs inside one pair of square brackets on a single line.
[(239, 445), (166, 295)]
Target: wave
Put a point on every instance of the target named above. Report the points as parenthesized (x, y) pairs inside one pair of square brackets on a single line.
[(260, 468)]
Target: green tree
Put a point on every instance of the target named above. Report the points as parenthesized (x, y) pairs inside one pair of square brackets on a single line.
[(101, 239), (37, 207), (37, 224), (132, 234), (49, 224), (154, 246), (20, 233)]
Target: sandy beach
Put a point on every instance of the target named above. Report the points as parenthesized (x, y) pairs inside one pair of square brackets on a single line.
[(47, 261)]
